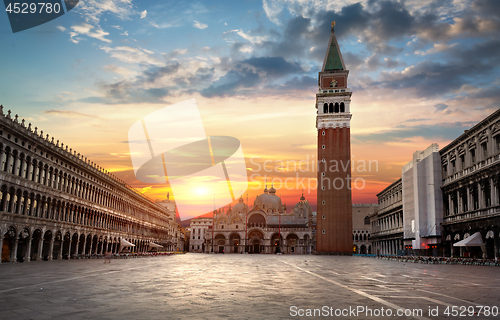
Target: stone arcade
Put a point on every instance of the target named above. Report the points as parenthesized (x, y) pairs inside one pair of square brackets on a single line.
[(55, 203)]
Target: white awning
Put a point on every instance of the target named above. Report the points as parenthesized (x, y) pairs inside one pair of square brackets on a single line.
[(125, 243), (154, 245), (473, 241)]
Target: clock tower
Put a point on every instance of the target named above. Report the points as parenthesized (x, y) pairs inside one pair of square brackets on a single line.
[(333, 122)]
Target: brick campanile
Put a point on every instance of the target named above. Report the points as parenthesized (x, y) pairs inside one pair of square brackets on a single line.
[(334, 226)]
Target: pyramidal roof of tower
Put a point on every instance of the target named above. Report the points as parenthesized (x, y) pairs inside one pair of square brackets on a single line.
[(333, 58)]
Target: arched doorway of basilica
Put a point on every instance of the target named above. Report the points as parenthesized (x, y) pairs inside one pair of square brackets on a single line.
[(276, 243), (292, 241), (219, 242), (256, 240), (234, 240)]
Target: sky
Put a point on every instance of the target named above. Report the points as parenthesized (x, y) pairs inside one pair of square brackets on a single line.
[(421, 72)]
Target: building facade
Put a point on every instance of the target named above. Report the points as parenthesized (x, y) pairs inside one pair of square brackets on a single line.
[(200, 232), (263, 228), (423, 202), (471, 189), (55, 203), (387, 227), (334, 213), (361, 225)]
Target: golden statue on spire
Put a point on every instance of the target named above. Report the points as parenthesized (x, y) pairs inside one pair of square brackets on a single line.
[(333, 24)]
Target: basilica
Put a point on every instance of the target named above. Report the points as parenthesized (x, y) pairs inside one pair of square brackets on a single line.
[(265, 227)]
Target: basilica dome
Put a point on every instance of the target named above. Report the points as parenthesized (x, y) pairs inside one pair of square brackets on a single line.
[(268, 202), (240, 207)]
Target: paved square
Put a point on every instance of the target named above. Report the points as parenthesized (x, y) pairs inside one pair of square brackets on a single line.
[(202, 286)]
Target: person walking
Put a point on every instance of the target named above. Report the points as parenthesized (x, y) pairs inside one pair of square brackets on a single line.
[(107, 257)]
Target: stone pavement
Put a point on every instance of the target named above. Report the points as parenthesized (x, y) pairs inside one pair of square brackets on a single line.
[(231, 286)]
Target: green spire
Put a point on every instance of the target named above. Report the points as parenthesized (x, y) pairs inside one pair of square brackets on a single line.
[(333, 61)]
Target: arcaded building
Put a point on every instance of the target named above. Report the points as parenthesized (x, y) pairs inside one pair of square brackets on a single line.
[(265, 227), (55, 203), (387, 227), (471, 189), (361, 226)]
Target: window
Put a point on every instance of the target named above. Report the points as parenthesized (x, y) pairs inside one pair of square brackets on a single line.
[(236, 226), (323, 216), (473, 156), (462, 162), (330, 108), (325, 108), (342, 107), (367, 220), (484, 148), (497, 142), (323, 133), (337, 108), (323, 231), (323, 202), (323, 147), (453, 165)]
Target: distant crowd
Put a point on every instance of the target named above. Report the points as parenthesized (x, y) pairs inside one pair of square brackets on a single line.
[(441, 260)]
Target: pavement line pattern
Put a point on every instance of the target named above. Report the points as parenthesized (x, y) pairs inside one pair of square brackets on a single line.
[(444, 295), (63, 280), (362, 293)]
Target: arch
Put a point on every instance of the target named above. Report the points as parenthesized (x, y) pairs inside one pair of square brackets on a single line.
[(8, 244), (234, 242), (325, 108), (337, 108), (292, 241), (342, 107), (23, 244), (47, 240), (330, 108), (36, 242), (362, 249), (74, 245), (256, 220), (57, 245), (66, 245)]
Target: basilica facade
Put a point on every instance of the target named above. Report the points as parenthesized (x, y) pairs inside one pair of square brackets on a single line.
[(265, 227)]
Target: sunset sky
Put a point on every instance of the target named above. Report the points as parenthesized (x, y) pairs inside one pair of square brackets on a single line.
[(421, 71)]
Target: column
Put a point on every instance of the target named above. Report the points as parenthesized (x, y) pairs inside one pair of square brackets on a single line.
[(493, 194), (27, 254), (29, 170), (13, 253), (459, 202), (51, 247), (22, 169), (2, 160), (480, 195), (450, 205), (469, 201), (1, 239), (14, 164), (59, 254), (40, 249)]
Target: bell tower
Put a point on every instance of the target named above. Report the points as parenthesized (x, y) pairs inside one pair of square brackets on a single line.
[(333, 122)]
